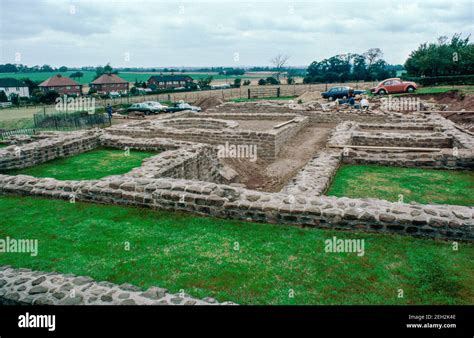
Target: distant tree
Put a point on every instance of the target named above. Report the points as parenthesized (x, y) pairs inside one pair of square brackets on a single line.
[(262, 82), (246, 83), (191, 85), (15, 99), (63, 69), (3, 96), (445, 57), (290, 80), (379, 71), (359, 68), (272, 81), (76, 75), (49, 97), (205, 82), (279, 63), (46, 68), (8, 68), (237, 82), (345, 67), (372, 55), (107, 69), (32, 85)]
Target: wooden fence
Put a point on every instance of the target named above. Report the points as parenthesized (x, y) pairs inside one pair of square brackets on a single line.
[(192, 96)]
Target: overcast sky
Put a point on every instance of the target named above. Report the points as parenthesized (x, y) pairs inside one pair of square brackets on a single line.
[(146, 33)]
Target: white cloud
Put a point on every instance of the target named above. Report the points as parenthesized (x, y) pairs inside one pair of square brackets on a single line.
[(167, 33)]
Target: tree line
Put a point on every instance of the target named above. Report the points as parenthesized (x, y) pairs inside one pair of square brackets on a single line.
[(369, 66)]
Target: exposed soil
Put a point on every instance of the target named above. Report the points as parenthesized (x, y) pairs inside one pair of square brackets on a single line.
[(453, 99), (208, 102), (256, 125), (265, 176), (456, 101), (463, 120)]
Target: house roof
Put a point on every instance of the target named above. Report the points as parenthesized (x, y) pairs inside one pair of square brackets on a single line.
[(108, 78), (11, 82), (58, 81), (170, 78)]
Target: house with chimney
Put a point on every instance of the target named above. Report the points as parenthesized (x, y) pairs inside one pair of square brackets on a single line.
[(62, 85), (107, 83)]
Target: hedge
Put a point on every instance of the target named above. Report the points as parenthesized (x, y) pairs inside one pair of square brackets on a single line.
[(442, 80)]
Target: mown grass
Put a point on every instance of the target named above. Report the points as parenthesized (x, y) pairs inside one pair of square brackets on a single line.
[(247, 263), (94, 164), (414, 184), (17, 123), (440, 90), (128, 76)]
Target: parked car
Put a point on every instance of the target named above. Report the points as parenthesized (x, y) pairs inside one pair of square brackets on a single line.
[(180, 106), (340, 93), (393, 86), (149, 107), (113, 95)]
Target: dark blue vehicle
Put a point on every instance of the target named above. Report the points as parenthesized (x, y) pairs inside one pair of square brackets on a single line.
[(340, 93)]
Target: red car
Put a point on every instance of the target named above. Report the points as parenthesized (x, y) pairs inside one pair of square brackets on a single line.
[(393, 86)]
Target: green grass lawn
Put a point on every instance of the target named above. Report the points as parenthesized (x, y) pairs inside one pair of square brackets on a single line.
[(197, 254), (129, 76), (419, 185), (90, 165), (441, 89)]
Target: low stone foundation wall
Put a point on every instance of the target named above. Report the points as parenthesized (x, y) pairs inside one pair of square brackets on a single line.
[(434, 221), (422, 140), (315, 178), (268, 142), (462, 159), (55, 146), (177, 159), (27, 287)]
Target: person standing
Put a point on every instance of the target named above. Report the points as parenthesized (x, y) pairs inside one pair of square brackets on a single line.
[(109, 111)]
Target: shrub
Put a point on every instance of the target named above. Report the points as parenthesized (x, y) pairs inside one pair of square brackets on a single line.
[(272, 81), (442, 80), (3, 96)]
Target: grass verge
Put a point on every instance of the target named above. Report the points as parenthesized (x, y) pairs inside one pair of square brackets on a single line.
[(94, 164), (231, 260), (414, 184)]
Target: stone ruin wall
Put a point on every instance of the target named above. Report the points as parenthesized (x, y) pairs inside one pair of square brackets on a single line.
[(26, 287), (299, 203), (268, 142), (224, 201), (43, 150)]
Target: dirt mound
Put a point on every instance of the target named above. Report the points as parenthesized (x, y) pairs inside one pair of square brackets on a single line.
[(463, 120), (309, 96), (454, 99), (208, 102)]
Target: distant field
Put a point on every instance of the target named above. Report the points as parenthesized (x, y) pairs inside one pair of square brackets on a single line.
[(129, 76)]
